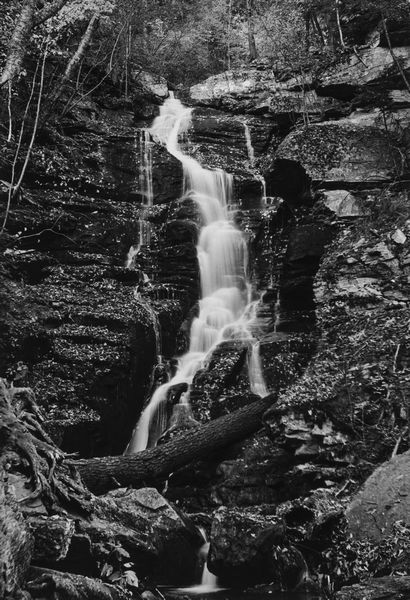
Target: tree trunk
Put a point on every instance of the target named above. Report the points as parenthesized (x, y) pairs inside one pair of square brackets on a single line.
[(82, 47), (253, 53), (104, 473), (18, 42)]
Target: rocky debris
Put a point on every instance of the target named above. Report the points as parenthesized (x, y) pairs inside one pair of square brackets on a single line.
[(383, 500), (380, 588)]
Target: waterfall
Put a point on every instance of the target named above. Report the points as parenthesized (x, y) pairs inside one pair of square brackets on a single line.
[(226, 309), (256, 379), (146, 189), (249, 146), (209, 581), (251, 156)]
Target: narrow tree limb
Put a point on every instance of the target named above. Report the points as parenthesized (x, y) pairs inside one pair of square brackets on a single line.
[(104, 473)]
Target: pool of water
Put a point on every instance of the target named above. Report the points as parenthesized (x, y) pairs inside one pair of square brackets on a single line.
[(263, 593)]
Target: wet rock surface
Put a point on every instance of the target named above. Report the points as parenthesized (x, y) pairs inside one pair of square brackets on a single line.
[(330, 250)]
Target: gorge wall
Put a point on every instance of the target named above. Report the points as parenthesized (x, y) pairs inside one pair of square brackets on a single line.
[(329, 248)]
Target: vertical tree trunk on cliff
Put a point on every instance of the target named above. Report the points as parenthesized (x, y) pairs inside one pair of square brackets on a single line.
[(253, 53), (228, 44), (82, 47), (18, 42)]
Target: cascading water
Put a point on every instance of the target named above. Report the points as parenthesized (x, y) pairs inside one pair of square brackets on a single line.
[(209, 581), (146, 190), (226, 310), (249, 145), (251, 157)]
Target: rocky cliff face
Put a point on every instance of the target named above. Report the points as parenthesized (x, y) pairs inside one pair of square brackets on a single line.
[(329, 249)]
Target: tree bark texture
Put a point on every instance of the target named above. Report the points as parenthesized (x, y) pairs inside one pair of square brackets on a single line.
[(253, 53), (104, 473), (82, 47), (18, 42)]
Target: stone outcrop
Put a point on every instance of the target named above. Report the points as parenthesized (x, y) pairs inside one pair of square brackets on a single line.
[(382, 502), (377, 589), (333, 154), (370, 67)]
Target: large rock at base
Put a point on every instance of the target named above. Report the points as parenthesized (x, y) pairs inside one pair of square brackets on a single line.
[(162, 543), (384, 499), (381, 588), (332, 154), (241, 545)]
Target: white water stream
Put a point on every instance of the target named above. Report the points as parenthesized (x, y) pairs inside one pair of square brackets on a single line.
[(226, 308)]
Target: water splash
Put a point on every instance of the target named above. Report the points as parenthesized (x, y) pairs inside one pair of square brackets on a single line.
[(226, 308)]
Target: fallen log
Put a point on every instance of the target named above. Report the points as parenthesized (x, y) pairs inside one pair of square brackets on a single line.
[(105, 473)]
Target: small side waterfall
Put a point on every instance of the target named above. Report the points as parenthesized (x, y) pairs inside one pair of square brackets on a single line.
[(209, 581), (256, 378), (226, 307), (144, 143), (251, 157), (249, 145)]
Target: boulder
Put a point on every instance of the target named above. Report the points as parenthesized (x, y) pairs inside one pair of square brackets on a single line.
[(384, 499), (149, 90), (343, 204), (365, 68), (242, 545), (250, 546), (380, 588), (332, 153), (162, 543)]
